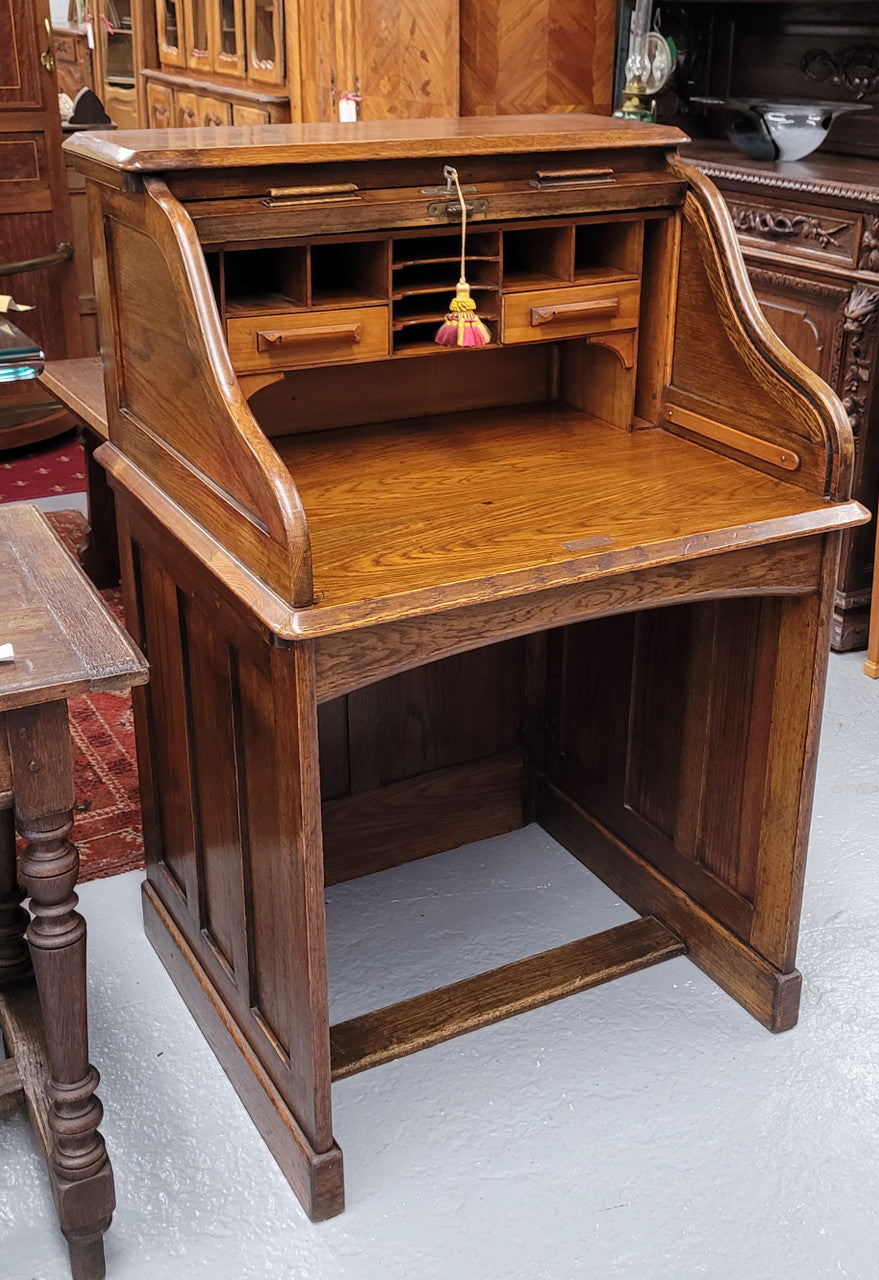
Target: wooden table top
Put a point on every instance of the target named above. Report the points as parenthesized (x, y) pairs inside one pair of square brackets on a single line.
[(79, 385), (65, 639)]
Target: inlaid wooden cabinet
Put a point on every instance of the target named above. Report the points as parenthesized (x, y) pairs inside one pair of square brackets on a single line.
[(390, 59), (536, 55)]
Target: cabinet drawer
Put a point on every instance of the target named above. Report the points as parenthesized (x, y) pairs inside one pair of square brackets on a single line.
[(288, 341), (160, 106), (797, 231), (197, 111), (242, 114), (121, 106), (569, 312), (66, 48)]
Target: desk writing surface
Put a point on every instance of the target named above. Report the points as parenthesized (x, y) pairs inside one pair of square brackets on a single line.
[(527, 496)]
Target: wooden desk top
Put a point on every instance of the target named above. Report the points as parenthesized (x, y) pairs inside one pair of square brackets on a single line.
[(155, 150), (450, 510), (65, 639), (79, 385)]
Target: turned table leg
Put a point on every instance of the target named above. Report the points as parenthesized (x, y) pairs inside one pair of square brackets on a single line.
[(14, 958), (42, 787)]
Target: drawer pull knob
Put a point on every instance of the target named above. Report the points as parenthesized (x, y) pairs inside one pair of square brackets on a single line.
[(560, 311), (279, 339)]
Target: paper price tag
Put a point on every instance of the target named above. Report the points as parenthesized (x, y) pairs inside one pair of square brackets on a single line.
[(89, 32), (348, 108)]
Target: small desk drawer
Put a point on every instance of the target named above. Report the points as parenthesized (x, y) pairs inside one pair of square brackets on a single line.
[(288, 341), (569, 312)]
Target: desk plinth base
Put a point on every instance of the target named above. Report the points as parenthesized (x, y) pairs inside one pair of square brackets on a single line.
[(771, 997), (316, 1177)]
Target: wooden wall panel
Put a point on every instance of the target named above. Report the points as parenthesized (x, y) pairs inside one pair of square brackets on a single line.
[(212, 676), (166, 697), (659, 727), (273, 913), (658, 714), (526, 56), (446, 713), (589, 675), (738, 730), (423, 761)]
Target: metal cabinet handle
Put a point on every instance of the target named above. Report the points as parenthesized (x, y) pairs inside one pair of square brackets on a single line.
[(278, 339), (573, 310), (47, 57), (63, 253)]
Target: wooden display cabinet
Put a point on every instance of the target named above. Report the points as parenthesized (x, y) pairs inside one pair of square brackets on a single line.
[(395, 59), (397, 597), (220, 62), (123, 41)]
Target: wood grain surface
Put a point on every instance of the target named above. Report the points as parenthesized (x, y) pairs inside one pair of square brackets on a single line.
[(65, 639), (475, 1002), (452, 508), (173, 149), (79, 385)]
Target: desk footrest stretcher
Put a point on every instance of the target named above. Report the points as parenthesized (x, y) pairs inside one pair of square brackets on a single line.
[(439, 1015)]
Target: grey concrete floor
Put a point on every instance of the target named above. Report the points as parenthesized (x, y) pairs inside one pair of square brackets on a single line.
[(646, 1130)]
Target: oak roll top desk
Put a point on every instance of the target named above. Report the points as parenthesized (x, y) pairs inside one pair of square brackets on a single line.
[(398, 597)]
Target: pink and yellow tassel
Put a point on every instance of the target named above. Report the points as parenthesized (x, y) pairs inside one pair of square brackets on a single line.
[(462, 326)]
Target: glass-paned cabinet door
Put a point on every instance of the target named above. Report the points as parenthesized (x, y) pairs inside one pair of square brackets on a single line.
[(265, 40), (229, 43), (198, 34), (169, 25)]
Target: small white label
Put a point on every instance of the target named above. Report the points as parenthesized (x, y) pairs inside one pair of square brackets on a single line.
[(6, 653), (347, 111), (89, 32)]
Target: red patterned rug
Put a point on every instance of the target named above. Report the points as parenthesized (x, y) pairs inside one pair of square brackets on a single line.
[(107, 827), (42, 470)]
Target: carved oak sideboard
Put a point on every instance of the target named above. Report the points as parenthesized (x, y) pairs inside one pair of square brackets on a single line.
[(810, 235), (399, 597)]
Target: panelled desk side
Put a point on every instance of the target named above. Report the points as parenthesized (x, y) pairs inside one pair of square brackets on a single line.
[(398, 598)]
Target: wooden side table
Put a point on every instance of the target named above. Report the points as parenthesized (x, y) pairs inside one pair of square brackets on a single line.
[(65, 643)]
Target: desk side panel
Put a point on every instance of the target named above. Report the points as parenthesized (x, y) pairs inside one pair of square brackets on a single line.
[(173, 403), (733, 384), (227, 738), (690, 735)]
